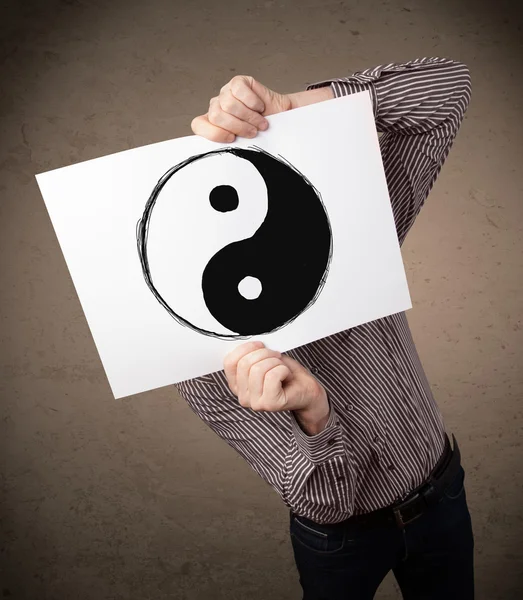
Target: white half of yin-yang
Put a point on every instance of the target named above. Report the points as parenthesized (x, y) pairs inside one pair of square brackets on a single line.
[(185, 232)]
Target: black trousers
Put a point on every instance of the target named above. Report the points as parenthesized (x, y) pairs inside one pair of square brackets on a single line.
[(431, 557)]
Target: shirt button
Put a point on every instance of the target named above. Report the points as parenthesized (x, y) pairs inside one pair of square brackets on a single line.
[(391, 467), (331, 442), (350, 406), (314, 370), (340, 479)]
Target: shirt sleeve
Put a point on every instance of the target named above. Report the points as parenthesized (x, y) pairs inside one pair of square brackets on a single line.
[(296, 465), (418, 107)]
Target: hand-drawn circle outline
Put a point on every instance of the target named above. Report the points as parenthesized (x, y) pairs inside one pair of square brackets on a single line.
[(142, 228)]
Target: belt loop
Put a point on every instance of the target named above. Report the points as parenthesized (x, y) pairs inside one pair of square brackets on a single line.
[(429, 494), (399, 520)]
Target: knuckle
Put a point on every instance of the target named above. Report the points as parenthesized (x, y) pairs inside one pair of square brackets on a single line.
[(243, 362), (257, 370), (280, 372), (228, 363), (256, 120), (237, 83), (274, 356), (227, 104), (270, 374), (273, 376)]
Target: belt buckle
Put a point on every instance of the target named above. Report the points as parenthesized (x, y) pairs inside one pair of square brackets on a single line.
[(399, 517)]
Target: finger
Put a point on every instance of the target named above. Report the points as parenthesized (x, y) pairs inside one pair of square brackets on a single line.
[(241, 87), (257, 374), (244, 366), (273, 394), (230, 362), (233, 106), (201, 126), (217, 116)]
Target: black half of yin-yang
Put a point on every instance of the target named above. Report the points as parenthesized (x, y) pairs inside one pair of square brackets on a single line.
[(289, 254)]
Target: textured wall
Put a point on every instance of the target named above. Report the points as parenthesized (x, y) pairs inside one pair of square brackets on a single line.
[(105, 499)]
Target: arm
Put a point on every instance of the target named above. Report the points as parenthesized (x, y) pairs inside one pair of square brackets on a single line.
[(292, 462), (418, 106)]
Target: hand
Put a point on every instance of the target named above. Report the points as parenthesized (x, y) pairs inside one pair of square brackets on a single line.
[(239, 110), (264, 379)]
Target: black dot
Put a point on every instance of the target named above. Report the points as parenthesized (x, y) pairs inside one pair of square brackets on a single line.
[(224, 198)]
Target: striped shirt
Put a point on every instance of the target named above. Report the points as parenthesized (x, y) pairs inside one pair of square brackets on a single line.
[(385, 432)]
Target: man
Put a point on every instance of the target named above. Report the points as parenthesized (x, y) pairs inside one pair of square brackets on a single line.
[(346, 429)]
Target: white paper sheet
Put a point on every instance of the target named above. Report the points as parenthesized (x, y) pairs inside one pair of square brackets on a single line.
[(304, 217)]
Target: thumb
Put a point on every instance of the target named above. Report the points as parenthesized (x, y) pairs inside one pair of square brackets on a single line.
[(294, 366)]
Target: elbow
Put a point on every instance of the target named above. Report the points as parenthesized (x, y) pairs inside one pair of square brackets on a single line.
[(463, 85)]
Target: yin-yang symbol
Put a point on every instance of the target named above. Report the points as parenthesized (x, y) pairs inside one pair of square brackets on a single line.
[(235, 243)]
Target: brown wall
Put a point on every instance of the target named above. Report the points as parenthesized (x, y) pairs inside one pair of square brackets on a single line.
[(106, 499)]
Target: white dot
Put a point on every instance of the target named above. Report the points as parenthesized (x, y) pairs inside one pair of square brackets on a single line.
[(250, 287)]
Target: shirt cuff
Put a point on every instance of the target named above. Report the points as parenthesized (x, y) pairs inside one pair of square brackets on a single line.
[(323, 446)]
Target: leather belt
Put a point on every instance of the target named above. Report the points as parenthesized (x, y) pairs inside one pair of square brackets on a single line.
[(428, 494)]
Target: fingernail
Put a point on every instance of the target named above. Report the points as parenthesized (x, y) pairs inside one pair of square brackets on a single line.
[(264, 125), (230, 138)]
